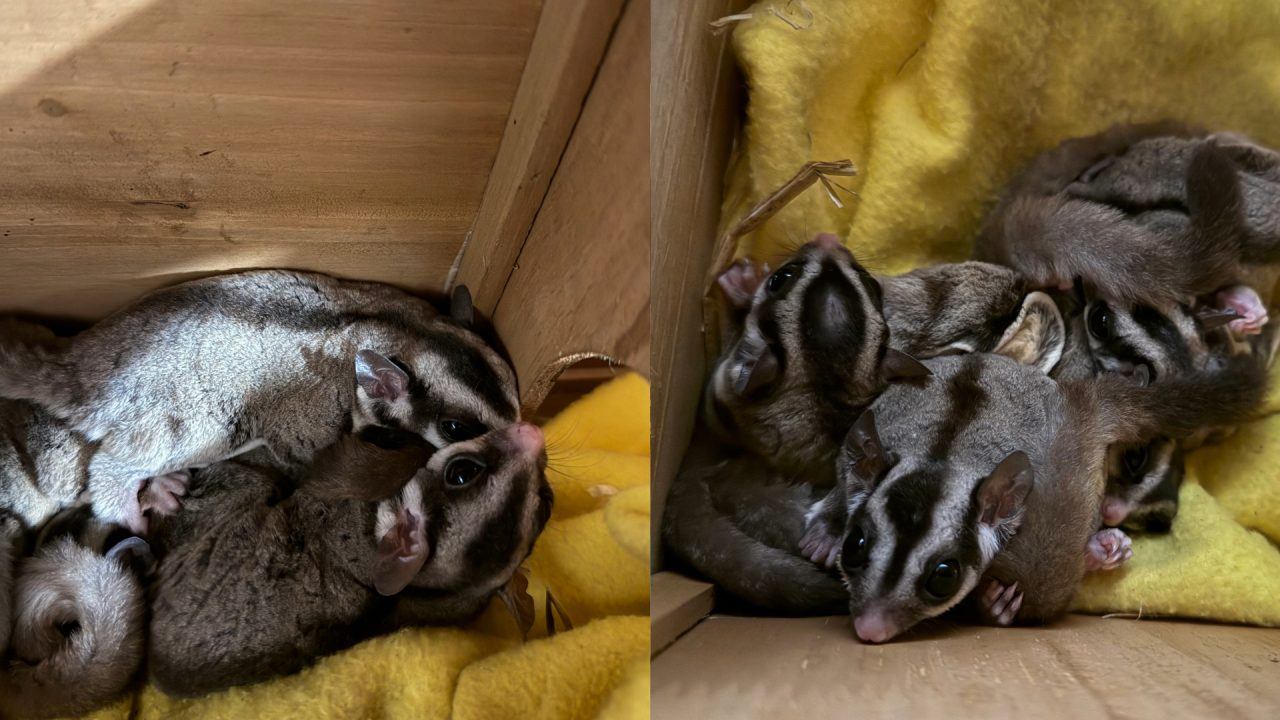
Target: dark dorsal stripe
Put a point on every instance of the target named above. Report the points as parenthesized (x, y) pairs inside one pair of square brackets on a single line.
[(909, 504), (966, 400), (1163, 331)]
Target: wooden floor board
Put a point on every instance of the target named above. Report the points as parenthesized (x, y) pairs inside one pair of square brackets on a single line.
[(733, 667)]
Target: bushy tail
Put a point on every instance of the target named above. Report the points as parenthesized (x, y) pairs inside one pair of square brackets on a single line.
[(1217, 237), (33, 365), (1181, 405), (78, 633), (1052, 171), (760, 574)]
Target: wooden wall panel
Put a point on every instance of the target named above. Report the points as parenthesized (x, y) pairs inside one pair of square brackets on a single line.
[(695, 105), (146, 142), (580, 286), (566, 53)]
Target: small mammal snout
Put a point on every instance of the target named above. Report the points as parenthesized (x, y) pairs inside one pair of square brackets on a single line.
[(528, 437), (1114, 511), (827, 241), (874, 626)]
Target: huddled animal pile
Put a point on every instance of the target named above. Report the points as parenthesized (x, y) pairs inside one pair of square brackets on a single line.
[(976, 435), (351, 461)]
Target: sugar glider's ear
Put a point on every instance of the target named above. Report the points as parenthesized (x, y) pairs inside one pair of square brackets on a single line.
[(898, 366), (1001, 497), (1038, 336), (402, 551), (739, 282), (864, 452), (460, 307), (379, 377), (752, 366)]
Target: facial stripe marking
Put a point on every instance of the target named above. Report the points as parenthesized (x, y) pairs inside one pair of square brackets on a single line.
[(909, 505), (1164, 333)]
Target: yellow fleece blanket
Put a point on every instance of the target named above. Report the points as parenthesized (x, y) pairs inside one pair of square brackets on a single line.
[(594, 555), (939, 104)]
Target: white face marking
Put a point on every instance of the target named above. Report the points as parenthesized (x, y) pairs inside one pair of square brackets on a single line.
[(946, 527), (988, 543)]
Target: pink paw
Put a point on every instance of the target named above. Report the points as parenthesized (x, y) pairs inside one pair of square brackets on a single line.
[(1246, 303), (820, 546), (1107, 550), (162, 492), (1000, 603), (740, 281)]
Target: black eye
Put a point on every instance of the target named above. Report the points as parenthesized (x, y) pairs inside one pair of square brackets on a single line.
[(856, 549), (1101, 325), (1135, 460), (781, 278), (461, 471), (459, 430), (944, 580)]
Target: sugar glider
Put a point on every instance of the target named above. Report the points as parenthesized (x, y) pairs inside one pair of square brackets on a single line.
[(201, 371), (749, 488), (820, 336), (1155, 214), (78, 619), (988, 474), (257, 580)]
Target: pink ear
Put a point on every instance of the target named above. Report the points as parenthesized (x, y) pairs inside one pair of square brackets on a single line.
[(401, 554), (739, 282), (1003, 492), (380, 377)]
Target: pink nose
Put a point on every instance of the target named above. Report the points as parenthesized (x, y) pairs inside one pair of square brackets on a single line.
[(528, 437), (826, 240), (1114, 511), (874, 627)]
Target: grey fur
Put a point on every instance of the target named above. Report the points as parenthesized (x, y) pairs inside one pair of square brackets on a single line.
[(788, 433), (196, 373), (735, 521), (951, 308), (809, 353), (78, 632), (793, 418), (947, 433), (43, 463), (256, 582), (1148, 214)]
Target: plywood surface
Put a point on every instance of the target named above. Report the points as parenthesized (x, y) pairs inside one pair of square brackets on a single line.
[(677, 604), (581, 284), (566, 53), (1082, 667), (142, 142), (696, 94)]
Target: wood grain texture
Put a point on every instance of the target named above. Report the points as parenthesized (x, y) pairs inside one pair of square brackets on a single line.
[(695, 101), (1082, 667), (566, 53), (189, 137), (677, 603), (581, 284)]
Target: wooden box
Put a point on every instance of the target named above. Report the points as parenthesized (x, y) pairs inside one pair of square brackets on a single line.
[(499, 143)]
